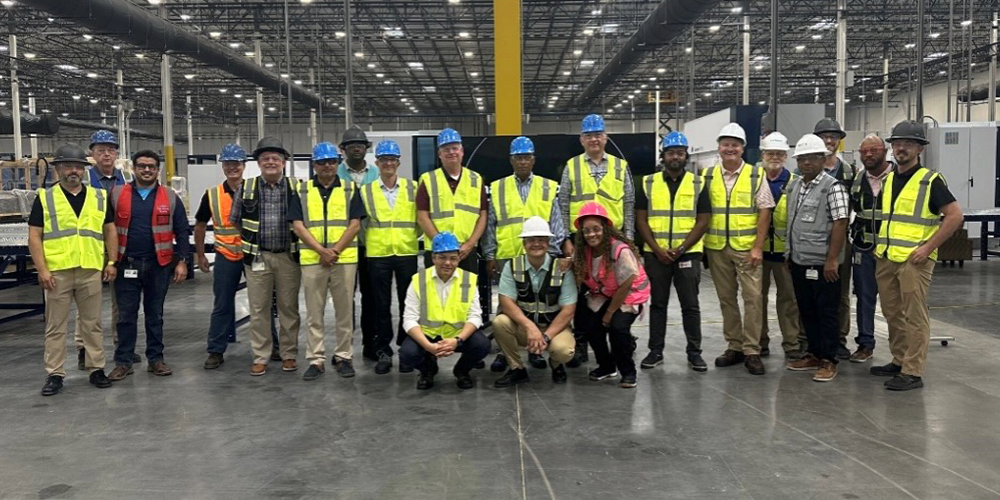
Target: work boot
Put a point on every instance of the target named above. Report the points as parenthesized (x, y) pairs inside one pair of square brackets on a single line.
[(99, 379), (513, 376), (499, 364), (904, 383), (537, 360), (214, 361), (862, 354), (81, 359), (159, 368), (559, 374), (729, 358), (120, 372), (886, 370), (53, 383), (696, 363), (425, 381), (464, 381), (754, 364), (651, 360), (384, 364)]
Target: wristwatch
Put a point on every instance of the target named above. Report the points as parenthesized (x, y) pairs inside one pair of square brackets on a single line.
[(458, 343), (681, 249), (546, 337)]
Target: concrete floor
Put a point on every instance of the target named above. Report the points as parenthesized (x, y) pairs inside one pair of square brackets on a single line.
[(717, 435)]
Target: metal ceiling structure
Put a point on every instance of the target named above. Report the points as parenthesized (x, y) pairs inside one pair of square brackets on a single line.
[(434, 58)]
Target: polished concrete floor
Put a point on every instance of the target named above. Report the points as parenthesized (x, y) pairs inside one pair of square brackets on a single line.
[(717, 435)]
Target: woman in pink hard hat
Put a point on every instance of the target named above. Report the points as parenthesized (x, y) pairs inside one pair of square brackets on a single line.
[(607, 263)]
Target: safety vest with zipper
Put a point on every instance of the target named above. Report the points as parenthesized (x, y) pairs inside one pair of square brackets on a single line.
[(543, 306)]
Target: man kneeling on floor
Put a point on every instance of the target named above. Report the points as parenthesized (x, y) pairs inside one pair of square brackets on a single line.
[(442, 316), (538, 301)]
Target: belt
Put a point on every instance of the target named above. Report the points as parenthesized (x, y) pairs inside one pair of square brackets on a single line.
[(274, 251)]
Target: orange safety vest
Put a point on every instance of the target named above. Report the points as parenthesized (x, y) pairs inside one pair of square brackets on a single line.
[(227, 237), (163, 228)]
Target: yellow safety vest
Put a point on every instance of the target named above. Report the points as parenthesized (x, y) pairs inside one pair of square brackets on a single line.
[(391, 231), (909, 222), (457, 212), (610, 192), (512, 212), (734, 218), (779, 221), (671, 218), (70, 241), (445, 321), (327, 229)]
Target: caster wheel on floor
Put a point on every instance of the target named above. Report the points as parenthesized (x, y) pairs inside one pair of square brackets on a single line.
[(944, 343)]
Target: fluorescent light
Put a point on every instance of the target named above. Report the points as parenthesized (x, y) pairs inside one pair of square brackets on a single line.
[(185, 17), (215, 34), (88, 37), (371, 65), (340, 34), (379, 75), (609, 28), (29, 55), (588, 32), (567, 73), (238, 96), (474, 74), (737, 10), (284, 75), (469, 54), (272, 109), (234, 44), (708, 94), (8, 3), (93, 101), (297, 82), (249, 101), (116, 47), (817, 37), (76, 98), (577, 52), (714, 28), (910, 45), (154, 2), (800, 48), (140, 55), (269, 65), (587, 62), (967, 22), (687, 49), (388, 82), (140, 89), (934, 35), (223, 91), (661, 70), (306, 2), (66, 67), (359, 54), (249, 53), (454, 1), (463, 34), (415, 64)]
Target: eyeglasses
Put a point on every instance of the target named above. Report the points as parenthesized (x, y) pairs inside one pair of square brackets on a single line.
[(327, 163), (146, 167), (592, 230), (871, 151)]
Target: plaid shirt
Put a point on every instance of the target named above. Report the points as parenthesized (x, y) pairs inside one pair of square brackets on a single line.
[(275, 231), (837, 198)]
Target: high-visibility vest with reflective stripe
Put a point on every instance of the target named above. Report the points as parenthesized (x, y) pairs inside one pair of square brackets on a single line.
[(777, 234), (606, 283), (327, 227), (672, 217), (610, 193), (447, 320), (541, 307), (391, 231), (226, 236), (70, 241), (909, 222), (734, 217), (457, 212), (865, 218), (164, 202), (250, 219), (512, 212)]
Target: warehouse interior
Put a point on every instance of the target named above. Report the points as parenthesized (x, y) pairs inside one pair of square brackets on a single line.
[(186, 77)]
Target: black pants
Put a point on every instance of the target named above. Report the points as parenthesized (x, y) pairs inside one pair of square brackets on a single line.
[(368, 307), (685, 276), (819, 308), (619, 332), (473, 350), (381, 270)]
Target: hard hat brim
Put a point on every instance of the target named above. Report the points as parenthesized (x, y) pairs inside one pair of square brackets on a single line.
[(443, 144), (920, 140), (367, 144), (536, 233), (257, 152)]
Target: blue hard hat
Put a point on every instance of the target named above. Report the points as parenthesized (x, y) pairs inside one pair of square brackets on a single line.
[(325, 151), (674, 140), (448, 136), (387, 147), (445, 242), (592, 123), (522, 146), (103, 137), (233, 152)]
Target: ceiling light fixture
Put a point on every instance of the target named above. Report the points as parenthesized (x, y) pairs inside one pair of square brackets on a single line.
[(29, 55), (463, 34), (88, 37), (359, 54), (714, 28), (340, 34), (577, 52), (185, 17)]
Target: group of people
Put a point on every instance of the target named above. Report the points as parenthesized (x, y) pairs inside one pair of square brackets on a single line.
[(570, 273)]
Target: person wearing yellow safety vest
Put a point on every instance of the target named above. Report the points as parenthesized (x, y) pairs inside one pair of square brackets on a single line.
[(673, 210), (774, 150), (216, 205), (734, 245), (514, 199), (833, 135), (326, 215), (69, 229), (392, 233), (911, 230), (600, 177), (442, 316), (270, 255)]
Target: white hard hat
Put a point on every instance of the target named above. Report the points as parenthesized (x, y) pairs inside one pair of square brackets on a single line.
[(810, 144), (733, 130), (536, 226), (775, 141)]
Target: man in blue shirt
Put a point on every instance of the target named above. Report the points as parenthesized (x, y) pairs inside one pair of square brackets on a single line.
[(537, 301)]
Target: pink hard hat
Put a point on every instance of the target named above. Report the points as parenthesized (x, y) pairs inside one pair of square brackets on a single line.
[(592, 209)]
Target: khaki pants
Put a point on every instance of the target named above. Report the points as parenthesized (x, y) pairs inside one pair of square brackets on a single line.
[(513, 339), (114, 322), (281, 275), (82, 286), (786, 306), (338, 281), (902, 288), (844, 314), (731, 273)]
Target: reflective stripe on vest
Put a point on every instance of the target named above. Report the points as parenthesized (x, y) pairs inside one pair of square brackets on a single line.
[(250, 228), (734, 218), (327, 223), (610, 193), (162, 223), (866, 216), (511, 211), (72, 241), (672, 217), (606, 283), (444, 320), (457, 212), (227, 241), (391, 231), (545, 304), (777, 233), (909, 222)]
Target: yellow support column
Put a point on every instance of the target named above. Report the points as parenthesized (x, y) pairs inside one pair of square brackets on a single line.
[(507, 66)]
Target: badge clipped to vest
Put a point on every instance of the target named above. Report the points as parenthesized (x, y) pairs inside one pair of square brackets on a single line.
[(812, 274)]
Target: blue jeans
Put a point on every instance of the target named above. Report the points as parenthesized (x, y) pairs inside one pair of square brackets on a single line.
[(473, 351), (866, 288), (151, 287), (226, 276)]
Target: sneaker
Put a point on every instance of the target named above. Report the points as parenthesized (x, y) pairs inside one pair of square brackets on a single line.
[(289, 365), (826, 372), (696, 363), (384, 364), (729, 358), (214, 361), (537, 361), (843, 352), (313, 372), (345, 368), (651, 360), (886, 370), (464, 381), (425, 381), (99, 379), (81, 359), (53, 383), (862, 354), (258, 369), (809, 362), (159, 368), (120, 372), (499, 364), (628, 382), (512, 377), (754, 364), (559, 374), (904, 383), (598, 374)]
